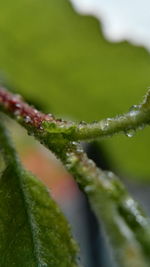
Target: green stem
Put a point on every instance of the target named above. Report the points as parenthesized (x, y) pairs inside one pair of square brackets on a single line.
[(137, 118), (125, 223)]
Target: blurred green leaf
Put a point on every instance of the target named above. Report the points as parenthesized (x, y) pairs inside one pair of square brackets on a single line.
[(50, 53), (33, 230)]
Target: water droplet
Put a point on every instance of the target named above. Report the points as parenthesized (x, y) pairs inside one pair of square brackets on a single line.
[(50, 115), (134, 107), (134, 113), (27, 119), (105, 124), (17, 105), (109, 174), (142, 126), (59, 120), (91, 163), (62, 126), (130, 133), (18, 97), (17, 112), (74, 143), (79, 149), (134, 110), (102, 125), (18, 116), (82, 123), (89, 188), (35, 111)]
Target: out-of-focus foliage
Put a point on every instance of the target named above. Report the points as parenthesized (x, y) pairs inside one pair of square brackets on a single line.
[(56, 57)]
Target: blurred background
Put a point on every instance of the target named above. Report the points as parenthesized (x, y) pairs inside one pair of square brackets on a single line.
[(81, 60)]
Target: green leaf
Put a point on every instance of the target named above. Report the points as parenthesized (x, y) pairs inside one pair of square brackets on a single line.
[(33, 230), (60, 59)]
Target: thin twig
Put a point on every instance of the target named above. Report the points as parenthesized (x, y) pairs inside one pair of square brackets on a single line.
[(137, 118)]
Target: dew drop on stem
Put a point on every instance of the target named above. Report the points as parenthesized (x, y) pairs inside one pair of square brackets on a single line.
[(130, 133), (27, 119), (105, 124), (142, 126), (134, 108), (82, 123), (89, 188)]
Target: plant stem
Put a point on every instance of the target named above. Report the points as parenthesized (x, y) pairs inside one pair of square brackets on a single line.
[(125, 223), (137, 118), (127, 226)]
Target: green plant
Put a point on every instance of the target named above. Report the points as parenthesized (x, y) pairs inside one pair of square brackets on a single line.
[(39, 234), (48, 52)]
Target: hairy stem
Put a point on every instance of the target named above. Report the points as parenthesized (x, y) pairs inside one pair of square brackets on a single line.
[(127, 226), (137, 118), (124, 221)]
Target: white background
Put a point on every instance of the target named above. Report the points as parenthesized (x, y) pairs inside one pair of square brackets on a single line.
[(121, 19)]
